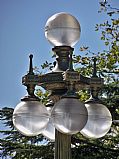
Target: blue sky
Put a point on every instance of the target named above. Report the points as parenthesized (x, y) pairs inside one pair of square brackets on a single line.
[(22, 32)]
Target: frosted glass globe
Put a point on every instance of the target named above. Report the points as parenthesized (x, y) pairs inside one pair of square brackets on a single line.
[(49, 131), (62, 29), (30, 117), (99, 121), (69, 115)]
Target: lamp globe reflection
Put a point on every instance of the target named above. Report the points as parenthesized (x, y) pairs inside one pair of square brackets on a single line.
[(69, 115), (30, 117), (99, 120), (62, 29), (49, 131)]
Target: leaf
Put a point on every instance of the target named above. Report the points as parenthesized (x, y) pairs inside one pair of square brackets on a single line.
[(84, 48), (116, 22), (107, 43), (109, 30), (103, 38)]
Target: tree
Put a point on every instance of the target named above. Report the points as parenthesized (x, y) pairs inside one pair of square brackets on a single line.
[(15, 145), (108, 67)]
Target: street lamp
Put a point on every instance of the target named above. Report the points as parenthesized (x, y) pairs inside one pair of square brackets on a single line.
[(30, 117), (99, 117), (60, 27), (49, 131), (68, 114)]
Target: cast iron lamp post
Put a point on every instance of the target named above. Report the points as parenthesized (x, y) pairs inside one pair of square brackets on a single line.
[(68, 115)]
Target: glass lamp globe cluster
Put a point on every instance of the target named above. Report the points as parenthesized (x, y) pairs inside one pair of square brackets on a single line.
[(69, 115)]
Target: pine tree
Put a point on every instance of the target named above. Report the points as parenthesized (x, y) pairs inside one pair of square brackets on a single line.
[(17, 146)]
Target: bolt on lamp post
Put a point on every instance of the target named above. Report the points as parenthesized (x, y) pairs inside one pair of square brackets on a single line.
[(68, 115)]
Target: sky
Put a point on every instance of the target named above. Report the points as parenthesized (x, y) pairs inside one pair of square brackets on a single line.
[(22, 25)]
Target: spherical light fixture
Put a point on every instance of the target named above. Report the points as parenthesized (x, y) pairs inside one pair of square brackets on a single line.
[(30, 117), (49, 131), (62, 29), (99, 120), (69, 115)]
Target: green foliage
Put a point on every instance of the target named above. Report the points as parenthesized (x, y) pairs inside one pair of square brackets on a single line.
[(94, 149), (83, 95), (44, 96), (108, 59), (46, 64)]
